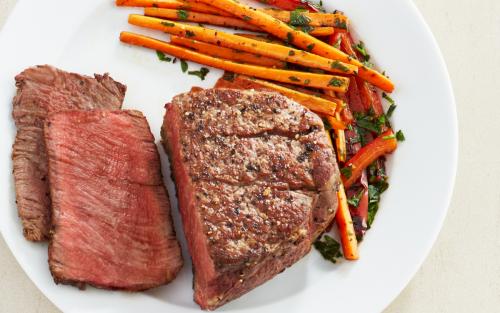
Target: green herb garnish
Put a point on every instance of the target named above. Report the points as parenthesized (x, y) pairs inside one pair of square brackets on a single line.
[(327, 124), (337, 44), (184, 66), (329, 249), (289, 37), (247, 18), (310, 46), (336, 82), (189, 34), (201, 73), (347, 171), (400, 136), (294, 79), (307, 28), (307, 81), (167, 24), (291, 53), (183, 15), (354, 201), (391, 109), (229, 77), (339, 24), (298, 18), (162, 56), (361, 48), (336, 65)]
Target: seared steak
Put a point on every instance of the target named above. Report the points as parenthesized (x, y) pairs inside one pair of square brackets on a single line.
[(44, 89), (111, 212), (256, 178)]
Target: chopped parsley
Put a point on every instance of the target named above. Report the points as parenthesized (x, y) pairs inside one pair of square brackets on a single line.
[(400, 136), (183, 15), (155, 5), (307, 81), (336, 82), (247, 18), (184, 66), (298, 18), (339, 24), (361, 48), (354, 201), (386, 97), (327, 124), (329, 249), (291, 53), (229, 77), (237, 51), (307, 28), (167, 24), (314, 5), (391, 109), (337, 65), (289, 37), (310, 46), (337, 44), (294, 79), (347, 171), (371, 111), (388, 137), (201, 73), (162, 56), (189, 34), (186, 7)]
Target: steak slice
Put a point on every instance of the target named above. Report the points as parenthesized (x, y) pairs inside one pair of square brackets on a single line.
[(256, 178), (111, 212), (41, 90)]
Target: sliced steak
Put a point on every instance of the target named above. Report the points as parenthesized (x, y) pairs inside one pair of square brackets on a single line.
[(111, 212), (41, 90), (256, 178)]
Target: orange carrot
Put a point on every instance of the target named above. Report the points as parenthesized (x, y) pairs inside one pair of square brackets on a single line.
[(225, 53), (300, 39), (336, 124), (174, 4), (313, 80), (378, 147), (244, 44), (340, 141), (246, 83), (345, 113), (263, 38), (346, 227), (339, 22)]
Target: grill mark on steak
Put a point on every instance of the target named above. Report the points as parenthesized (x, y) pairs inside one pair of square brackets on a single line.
[(256, 178), (109, 201), (44, 89)]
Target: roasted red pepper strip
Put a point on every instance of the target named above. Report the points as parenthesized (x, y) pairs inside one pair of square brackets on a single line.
[(368, 93), (367, 155), (292, 5)]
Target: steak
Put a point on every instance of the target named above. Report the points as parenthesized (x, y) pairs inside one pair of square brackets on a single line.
[(256, 179), (111, 212), (41, 90)]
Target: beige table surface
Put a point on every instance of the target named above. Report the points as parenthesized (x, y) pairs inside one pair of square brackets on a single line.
[(462, 271)]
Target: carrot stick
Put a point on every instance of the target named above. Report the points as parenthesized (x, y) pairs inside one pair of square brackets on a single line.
[(243, 44), (196, 17), (263, 38), (300, 39), (346, 227), (244, 82), (337, 101), (319, 31), (340, 141), (345, 113), (174, 4), (336, 123), (378, 147), (339, 22), (225, 53), (314, 80), (225, 21)]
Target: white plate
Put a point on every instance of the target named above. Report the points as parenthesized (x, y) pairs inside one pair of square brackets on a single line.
[(82, 37)]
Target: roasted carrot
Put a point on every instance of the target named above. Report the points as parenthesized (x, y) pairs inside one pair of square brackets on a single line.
[(180, 15), (225, 21), (300, 39), (291, 5), (174, 4), (339, 22), (263, 38), (243, 44), (340, 141), (334, 122), (225, 53), (337, 101), (313, 80), (346, 227), (378, 147), (244, 82)]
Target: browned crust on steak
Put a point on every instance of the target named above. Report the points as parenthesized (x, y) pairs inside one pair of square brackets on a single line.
[(43, 89), (256, 178)]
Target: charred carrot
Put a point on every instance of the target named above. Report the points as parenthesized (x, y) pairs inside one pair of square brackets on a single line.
[(243, 44), (346, 227), (316, 104), (300, 39), (313, 80), (225, 53), (385, 143)]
